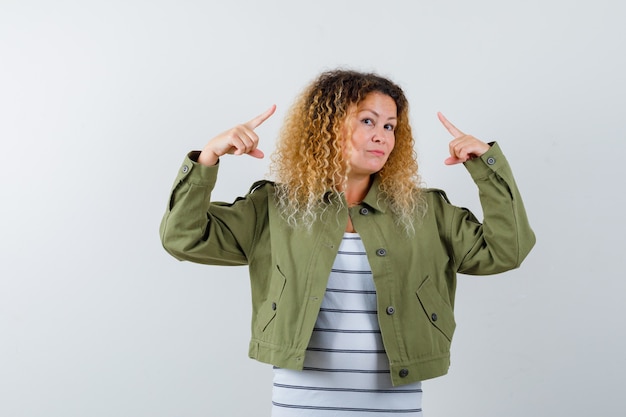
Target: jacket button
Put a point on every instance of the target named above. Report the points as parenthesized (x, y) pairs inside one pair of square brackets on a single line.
[(364, 211), (403, 373), (491, 160), (381, 252), (434, 316), (185, 169), (273, 306), (391, 310)]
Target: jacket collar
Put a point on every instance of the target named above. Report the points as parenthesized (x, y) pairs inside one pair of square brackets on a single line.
[(374, 198)]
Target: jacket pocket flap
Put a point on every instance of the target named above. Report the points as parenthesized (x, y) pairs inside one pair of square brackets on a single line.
[(437, 309), (268, 310)]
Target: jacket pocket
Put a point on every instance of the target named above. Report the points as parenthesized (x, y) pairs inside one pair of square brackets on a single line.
[(437, 310), (268, 310)]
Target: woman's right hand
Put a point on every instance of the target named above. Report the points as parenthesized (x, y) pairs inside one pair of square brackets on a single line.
[(239, 140)]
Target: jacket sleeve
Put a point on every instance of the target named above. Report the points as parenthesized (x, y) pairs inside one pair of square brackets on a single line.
[(195, 229), (504, 238)]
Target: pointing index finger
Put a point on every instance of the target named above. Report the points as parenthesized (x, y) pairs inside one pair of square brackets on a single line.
[(258, 120), (451, 128)]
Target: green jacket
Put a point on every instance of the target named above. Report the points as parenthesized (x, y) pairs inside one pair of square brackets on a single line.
[(415, 276)]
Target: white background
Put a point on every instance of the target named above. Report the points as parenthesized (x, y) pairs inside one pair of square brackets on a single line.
[(100, 101)]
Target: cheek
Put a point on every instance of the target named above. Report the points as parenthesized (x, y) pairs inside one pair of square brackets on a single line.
[(360, 139)]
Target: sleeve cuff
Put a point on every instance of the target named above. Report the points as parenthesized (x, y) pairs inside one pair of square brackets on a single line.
[(193, 172), (490, 161)]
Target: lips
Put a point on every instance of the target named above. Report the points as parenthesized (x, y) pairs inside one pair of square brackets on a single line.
[(377, 152)]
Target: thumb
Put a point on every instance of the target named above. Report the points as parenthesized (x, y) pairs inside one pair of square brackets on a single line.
[(256, 153), (452, 160)]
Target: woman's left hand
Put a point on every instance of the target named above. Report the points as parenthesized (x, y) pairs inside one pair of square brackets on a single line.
[(463, 147)]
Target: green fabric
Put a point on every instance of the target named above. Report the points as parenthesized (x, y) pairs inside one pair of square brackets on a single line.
[(289, 267)]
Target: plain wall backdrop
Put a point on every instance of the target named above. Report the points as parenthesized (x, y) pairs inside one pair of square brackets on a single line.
[(101, 100)]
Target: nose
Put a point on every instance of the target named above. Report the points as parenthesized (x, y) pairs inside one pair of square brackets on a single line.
[(380, 135)]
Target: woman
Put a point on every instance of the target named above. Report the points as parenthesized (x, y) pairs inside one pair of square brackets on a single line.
[(352, 264)]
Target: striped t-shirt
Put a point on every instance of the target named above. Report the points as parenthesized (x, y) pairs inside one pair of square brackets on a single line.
[(346, 370)]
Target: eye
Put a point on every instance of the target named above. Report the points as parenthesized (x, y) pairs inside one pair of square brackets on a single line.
[(367, 121), (390, 128)]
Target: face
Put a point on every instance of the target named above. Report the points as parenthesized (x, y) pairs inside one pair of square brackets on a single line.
[(372, 125)]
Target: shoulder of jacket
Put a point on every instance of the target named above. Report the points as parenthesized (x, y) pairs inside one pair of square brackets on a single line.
[(260, 184), (436, 192)]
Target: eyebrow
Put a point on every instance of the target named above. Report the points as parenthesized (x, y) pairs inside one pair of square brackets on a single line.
[(376, 114)]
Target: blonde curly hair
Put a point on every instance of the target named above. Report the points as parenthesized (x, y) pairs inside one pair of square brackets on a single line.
[(309, 160)]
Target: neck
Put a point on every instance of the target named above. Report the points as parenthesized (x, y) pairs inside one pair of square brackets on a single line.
[(356, 190)]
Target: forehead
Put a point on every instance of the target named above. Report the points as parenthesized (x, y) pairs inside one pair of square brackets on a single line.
[(379, 102)]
